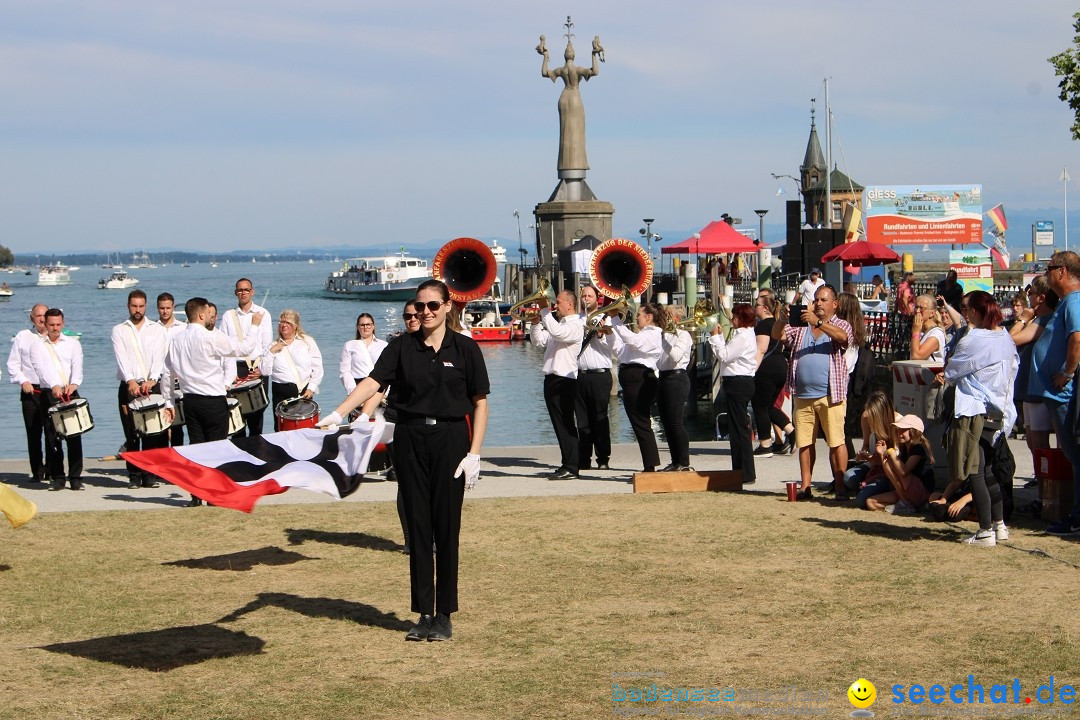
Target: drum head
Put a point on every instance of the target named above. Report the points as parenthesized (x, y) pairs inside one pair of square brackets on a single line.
[(298, 409)]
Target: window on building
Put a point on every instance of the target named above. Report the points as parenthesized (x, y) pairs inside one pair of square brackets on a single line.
[(837, 212)]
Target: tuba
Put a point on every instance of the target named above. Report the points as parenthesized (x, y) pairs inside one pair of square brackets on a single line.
[(468, 268), (543, 290), (621, 270)]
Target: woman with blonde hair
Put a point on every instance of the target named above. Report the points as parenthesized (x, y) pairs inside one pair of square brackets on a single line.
[(927, 334), (904, 460), (867, 479), (293, 362)]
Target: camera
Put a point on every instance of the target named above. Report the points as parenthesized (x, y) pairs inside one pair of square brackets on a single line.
[(795, 315)]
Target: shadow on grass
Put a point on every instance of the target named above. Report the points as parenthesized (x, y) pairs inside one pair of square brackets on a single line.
[(889, 530), (243, 560), (164, 650), (332, 608), (4, 568), (348, 539)]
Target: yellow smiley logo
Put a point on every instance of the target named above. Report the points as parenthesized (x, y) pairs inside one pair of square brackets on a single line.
[(862, 693)]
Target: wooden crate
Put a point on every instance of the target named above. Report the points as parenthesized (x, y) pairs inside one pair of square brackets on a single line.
[(690, 481)]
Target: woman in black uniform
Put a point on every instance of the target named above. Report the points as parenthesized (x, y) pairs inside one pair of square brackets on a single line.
[(440, 386)]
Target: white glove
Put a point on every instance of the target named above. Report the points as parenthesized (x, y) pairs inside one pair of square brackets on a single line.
[(360, 420), (333, 419), (470, 465)]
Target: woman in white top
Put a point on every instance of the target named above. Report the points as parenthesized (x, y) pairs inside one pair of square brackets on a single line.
[(293, 362), (638, 354), (359, 355), (677, 348), (738, 363), (927, 335)]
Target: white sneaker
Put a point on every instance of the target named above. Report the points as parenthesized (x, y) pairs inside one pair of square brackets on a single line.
[(902, 507), (985, 538), (1000, 531)]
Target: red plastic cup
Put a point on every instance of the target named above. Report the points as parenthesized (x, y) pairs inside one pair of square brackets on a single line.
[(792, 491)]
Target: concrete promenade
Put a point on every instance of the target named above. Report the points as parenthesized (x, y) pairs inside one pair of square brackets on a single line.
[(506, 472)]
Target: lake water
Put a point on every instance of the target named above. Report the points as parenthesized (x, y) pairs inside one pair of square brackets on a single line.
[(518, 415)]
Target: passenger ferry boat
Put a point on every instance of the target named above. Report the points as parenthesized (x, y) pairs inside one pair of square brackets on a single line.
[(54, 275), (119, 280), (392, 277)]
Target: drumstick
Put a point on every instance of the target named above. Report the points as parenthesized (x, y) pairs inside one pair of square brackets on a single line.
[(108, 458)]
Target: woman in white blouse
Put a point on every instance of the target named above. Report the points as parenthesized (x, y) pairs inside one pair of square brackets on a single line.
[(927, 337), (293, 362), (359, 355), (738, 363), (638, 354), (677, 350)]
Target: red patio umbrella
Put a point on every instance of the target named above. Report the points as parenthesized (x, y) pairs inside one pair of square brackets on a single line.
[(861, 254)]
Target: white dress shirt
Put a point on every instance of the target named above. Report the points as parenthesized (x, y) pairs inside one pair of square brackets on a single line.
[(139, 351), (561, 340), (596, 354), (20, 366), (305, 370), (196, 358), (676, 350), (63, 368), (174, 328), (357, 359), (737, 356), (264, 333), (638, 348)]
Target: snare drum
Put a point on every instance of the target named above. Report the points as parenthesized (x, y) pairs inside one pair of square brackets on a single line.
[(71, 418), (178, 411), (296, 413), (148, 414), (251, 395), (236, 418)]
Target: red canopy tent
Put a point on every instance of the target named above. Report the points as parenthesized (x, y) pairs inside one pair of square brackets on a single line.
[(861, 254), (715, 238)]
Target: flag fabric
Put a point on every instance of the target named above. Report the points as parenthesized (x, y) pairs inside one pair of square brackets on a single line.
[(17, 509), (997, 214), (852, 220), (237, 472)]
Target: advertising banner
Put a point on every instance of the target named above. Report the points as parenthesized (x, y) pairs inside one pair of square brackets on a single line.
[(1042, 232), (973, 269), (923, 214)]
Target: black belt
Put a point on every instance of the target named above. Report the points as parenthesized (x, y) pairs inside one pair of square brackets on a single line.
[(637, 366), (666, 373), (404, 419), (597, 371)]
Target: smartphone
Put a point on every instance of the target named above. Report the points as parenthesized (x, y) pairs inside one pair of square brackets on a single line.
[(795, 318), (940, 303)]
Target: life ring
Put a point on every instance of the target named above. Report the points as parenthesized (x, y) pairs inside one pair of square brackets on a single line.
[(390, 276)]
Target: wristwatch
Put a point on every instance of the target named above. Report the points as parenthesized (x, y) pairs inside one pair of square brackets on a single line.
[(820, 323)]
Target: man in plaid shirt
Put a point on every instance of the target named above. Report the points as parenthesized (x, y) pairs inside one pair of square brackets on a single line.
[(818, 382)]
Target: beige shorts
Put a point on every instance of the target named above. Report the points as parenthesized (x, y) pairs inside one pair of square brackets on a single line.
[(809, 413)]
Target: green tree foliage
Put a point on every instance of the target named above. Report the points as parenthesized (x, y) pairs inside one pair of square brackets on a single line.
[(1067, 67), (6, 257)]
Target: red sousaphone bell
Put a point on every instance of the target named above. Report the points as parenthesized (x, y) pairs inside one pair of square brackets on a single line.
[(468, 268)]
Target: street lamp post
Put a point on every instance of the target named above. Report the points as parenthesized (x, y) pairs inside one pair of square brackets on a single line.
[(764, 269), (647, 233), (798, 187), (521, 246)]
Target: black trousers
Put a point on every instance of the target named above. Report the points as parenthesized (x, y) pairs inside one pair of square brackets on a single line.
[(591, 413), (31, 414), (768, 383), (253, 422), (739, 389), (207, 417), (560, 395), (427, 456), (132, 439), (280, 392), (54, 443), (640, 387), (674, 389)]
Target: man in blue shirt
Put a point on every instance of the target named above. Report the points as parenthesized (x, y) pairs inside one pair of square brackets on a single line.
[(1054, 359)]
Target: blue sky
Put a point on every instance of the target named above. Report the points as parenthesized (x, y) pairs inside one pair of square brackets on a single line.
[(226, 124)]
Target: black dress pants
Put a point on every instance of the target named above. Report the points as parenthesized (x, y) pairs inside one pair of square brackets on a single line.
[(280, 392), (207, 417), (31, 414), (639, 386), (427, 456), (591, 412), (54, 444), (768, 383), (739, 389), (132, 439), (560, 395), (674, 389)]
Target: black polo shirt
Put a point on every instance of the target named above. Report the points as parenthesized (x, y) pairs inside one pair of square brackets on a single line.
[(433, 383)]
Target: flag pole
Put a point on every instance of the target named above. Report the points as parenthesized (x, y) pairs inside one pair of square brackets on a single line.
[(1065, 180)]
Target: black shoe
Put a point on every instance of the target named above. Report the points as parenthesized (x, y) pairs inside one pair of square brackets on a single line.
[(441, 629), (151, 484), (563, 474), (134, 485), (788, 446), (805, 494), (602, 465), (76, 485), (585, 466), (763, 452), (421, 629), (686, 468), (673, 467), (56, 485), (194, 502)]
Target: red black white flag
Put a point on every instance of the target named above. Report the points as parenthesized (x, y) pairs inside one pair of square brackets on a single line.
[(235, 473)]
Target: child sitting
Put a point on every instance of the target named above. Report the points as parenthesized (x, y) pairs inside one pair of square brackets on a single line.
[(905, 467)]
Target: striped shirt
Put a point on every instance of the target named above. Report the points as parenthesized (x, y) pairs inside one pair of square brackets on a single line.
[(838, 371)]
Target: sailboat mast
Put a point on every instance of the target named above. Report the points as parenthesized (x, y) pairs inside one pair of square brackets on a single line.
[(828, 158)]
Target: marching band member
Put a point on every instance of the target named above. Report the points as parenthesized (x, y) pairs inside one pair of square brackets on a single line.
[(561, 341), (139, 346), (293, 363), (677, 349), (359, 355), (638, 354), (237, 323), (166, 304), (593, 390), (22, 373), (738, 363), (58, 362)]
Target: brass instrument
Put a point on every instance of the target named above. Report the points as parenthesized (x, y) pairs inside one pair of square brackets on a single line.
[(704, 317), (468, 268), (625, 305), (543, 290)]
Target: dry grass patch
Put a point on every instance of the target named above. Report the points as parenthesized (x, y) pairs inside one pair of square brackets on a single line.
[(300, 611)]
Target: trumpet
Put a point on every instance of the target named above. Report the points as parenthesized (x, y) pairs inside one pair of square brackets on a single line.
[(625, 304), (543, 290)]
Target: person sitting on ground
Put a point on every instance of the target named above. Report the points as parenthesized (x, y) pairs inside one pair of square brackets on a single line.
[(905, 466), (876, 420), (927, 336), (955, 503)]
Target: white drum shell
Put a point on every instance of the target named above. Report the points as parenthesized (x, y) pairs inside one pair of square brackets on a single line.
[(251, 395), (71, 418), (236, 418), (148, 415), (178, 411)]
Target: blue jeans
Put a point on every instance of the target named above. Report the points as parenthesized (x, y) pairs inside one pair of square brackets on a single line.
[(879, 486), (1059, 415), (854, 476)]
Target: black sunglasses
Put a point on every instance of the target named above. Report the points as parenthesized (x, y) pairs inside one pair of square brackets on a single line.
[(1053, 267), (409, 316), (431, 305)]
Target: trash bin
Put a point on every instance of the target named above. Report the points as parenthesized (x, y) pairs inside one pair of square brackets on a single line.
[(912, 380), (1055, 477)]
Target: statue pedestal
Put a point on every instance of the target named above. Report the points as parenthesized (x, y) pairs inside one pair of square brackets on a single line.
[(571, 213)]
